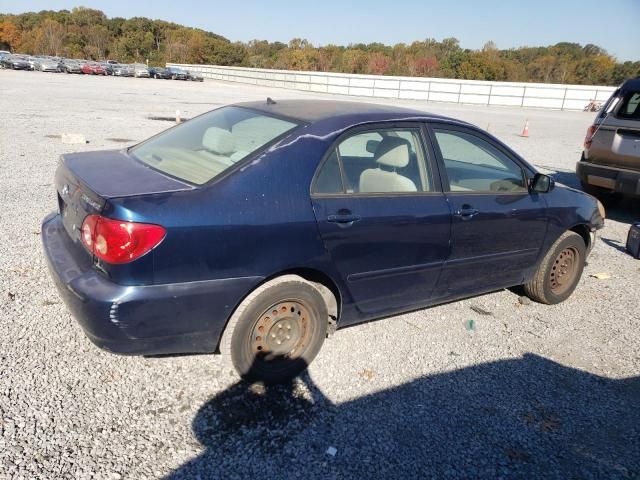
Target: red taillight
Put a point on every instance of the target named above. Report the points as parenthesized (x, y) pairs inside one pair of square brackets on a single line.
[(117, 241), (589, 137)]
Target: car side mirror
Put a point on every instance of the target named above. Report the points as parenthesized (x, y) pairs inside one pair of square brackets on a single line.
[(542, 183), (372, 146)]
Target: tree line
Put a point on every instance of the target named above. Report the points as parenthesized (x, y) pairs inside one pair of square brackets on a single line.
[(88, 33)]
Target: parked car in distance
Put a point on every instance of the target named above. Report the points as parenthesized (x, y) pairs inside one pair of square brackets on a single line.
[(256, 228), (16, 62), (33, 62), (160, 73), (140, 70), (194, 76), (121, 70), (93, 68), (49, 65), (70, 66), (177, 73), (108, 67), (610, 164)]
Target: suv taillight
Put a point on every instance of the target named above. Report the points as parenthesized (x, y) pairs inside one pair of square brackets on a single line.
[(117, 241), (589, 137)]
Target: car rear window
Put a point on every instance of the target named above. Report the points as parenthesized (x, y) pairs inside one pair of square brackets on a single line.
[(630, 107), (203, 148)]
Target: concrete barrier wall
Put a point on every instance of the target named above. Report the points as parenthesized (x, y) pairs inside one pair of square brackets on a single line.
[(538, 95)]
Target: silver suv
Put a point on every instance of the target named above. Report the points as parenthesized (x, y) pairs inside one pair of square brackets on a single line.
[(610, 163)]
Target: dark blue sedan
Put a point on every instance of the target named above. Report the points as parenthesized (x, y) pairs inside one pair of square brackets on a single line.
[(258, 228)]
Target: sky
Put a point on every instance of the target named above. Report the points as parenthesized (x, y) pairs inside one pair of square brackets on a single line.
[(612, 24)]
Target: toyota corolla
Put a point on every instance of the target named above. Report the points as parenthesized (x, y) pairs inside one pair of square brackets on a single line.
[(257, 229)]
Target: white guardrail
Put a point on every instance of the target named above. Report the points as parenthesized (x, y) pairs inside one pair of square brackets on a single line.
[(538, 95)]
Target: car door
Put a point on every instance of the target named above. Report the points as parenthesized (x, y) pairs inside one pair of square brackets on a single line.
[(382, 216), (498, 225)]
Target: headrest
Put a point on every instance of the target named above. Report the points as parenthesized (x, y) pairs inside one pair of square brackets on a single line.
[(218, 140), (393, 152)]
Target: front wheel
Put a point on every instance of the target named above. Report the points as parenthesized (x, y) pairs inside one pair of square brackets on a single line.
[(559, 272), (276, 331)]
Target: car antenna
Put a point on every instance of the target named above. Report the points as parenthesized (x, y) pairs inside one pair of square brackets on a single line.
[(270, 101)]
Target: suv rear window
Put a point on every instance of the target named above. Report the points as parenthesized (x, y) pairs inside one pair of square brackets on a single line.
[(206, 146), (630, 107)]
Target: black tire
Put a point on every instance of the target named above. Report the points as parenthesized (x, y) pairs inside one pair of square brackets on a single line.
[(276, 331), (559, 272)]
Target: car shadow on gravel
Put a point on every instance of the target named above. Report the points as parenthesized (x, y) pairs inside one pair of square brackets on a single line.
[(621, 247), (527, 417), (626, 211)]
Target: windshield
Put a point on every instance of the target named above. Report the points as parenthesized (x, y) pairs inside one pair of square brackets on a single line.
[(206, 146)]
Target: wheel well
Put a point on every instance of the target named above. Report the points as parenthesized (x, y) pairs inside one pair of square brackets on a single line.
[(584, 232), (327, 287)]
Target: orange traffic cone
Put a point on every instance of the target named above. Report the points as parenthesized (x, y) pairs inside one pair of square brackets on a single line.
[(525, 130)]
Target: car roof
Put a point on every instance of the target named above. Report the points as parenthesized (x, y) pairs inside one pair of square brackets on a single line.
[(632, 84), (316, 110)]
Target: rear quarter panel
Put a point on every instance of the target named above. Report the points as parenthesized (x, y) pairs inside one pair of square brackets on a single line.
[(256, 221)]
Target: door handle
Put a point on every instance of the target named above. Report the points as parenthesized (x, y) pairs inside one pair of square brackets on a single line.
[(343, 218), (467, 212)]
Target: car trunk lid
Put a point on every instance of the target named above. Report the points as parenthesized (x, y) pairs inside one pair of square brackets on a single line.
[(616, 142), (86, 181)]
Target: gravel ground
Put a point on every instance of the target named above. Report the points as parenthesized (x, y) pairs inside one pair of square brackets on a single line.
[(531, 391)]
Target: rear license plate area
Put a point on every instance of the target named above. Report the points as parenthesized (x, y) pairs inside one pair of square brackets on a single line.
[(603, 182)]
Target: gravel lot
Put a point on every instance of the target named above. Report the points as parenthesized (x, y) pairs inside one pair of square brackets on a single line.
[(531, 391)]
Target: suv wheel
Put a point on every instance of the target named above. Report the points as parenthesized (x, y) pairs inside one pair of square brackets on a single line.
[(276, 331), (559, 272)]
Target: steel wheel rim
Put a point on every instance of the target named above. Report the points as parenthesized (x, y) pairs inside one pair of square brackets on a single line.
[(282, 332), (563, 270)]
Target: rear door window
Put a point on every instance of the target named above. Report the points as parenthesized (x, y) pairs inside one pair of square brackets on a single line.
[(376, 161), (630, 107)]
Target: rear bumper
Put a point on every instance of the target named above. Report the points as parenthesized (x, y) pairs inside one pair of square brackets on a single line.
[(615, 179), (140, 320)]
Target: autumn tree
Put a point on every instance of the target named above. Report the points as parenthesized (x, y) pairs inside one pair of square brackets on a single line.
[(378, 64), (9, 35), (97, 41), (51, 37), (354, 61), (426, 66)]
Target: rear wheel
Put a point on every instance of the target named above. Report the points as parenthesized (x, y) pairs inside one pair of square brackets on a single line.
[(559, 272), (276, 331)]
